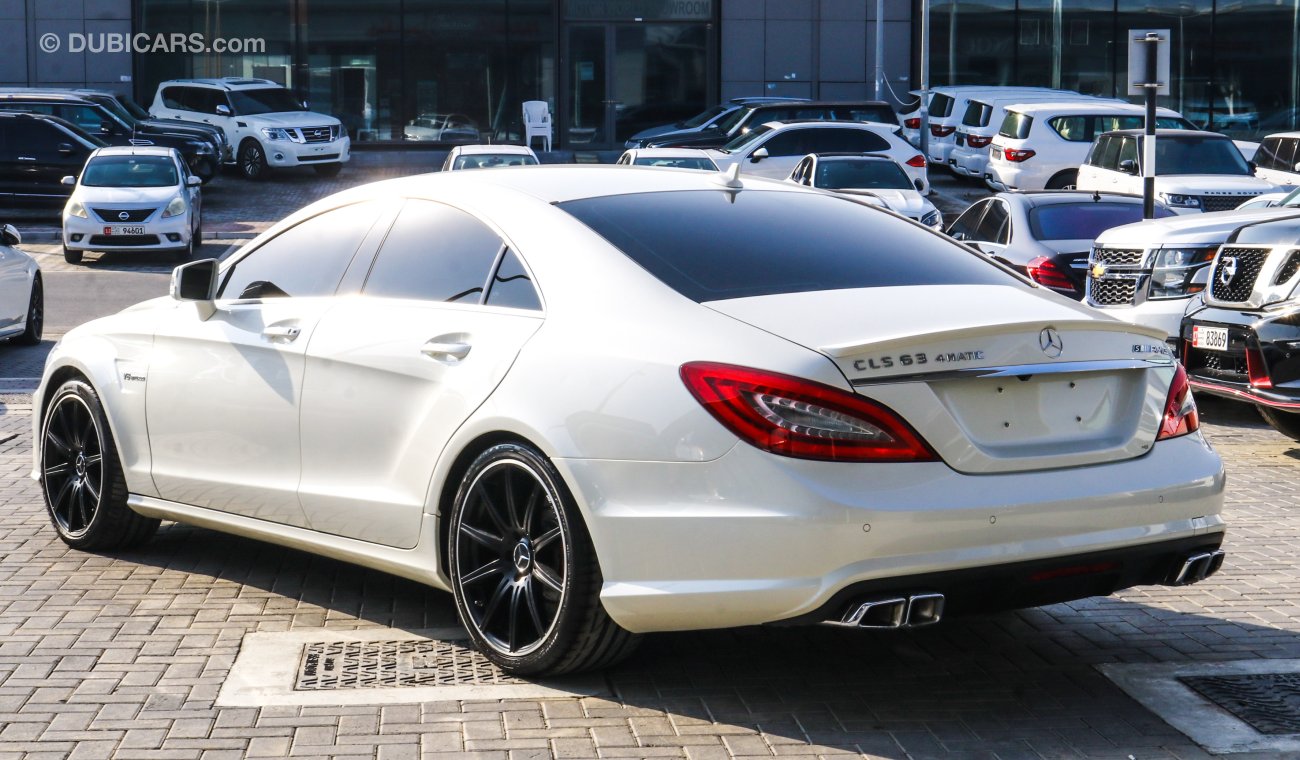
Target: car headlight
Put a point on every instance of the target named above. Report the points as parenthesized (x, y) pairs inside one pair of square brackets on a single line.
[(1175, 271), (933, 219), (276, 133), (204, 149), (175, 208), (1178, 200), (77, 208)]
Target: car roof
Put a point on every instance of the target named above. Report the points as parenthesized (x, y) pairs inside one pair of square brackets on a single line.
[(226, 83), (874, 126), (135, 150), (479, 150), (1167, 133), (1100, 106), (866, 156), (42, 94), (820, 103), (1051, 197), (1283, 134)]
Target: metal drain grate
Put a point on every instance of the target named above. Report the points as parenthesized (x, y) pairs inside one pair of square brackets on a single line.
[(1269, 702), (378, 664)]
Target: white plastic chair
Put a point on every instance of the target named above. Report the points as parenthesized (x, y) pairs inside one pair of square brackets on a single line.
[(537, 122)]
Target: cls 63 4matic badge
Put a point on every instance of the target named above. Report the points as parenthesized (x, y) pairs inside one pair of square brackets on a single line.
[(885, 362)]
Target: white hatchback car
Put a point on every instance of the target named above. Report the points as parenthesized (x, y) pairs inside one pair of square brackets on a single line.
[(267, 128), (134, 200), (488, 157), (773, 149), (22, 292), (867, 177), (668, 158), (594, 402)]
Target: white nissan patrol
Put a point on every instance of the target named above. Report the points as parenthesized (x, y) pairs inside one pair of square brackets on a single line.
[(1147, 272), (261, 119)]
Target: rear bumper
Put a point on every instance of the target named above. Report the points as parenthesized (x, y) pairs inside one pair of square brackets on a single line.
[(969, 162), (751, 538), (1275, 339)]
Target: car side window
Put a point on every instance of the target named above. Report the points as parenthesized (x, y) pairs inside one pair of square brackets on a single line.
[(993, 227), (174, 97), (789, 143), (1103, 155), (37, 139), (306, 260), (1071, 128), (1128, 151), (1286, 154), (1266, 157), (963, 228), (208, 100), (511, 285), (800, 173), (846, 141), (85, 117), (434, 253)]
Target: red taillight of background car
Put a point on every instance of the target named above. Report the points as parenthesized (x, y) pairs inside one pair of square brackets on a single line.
[(1015, 155), (1256, 369), (1044, 271), (912, 123), (1181, 416), (800, 418), (939, 130), (917, 161), (975, 141)]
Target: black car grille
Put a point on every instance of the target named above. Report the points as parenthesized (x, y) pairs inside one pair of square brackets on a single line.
[(1112, 291), (317, 134), (1223, 202), (1288, 268), (1218, 365), (114, 215), (1246, 263), (1118, 256), (123, 241)]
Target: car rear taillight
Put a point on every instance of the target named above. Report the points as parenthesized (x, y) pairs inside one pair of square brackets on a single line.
[(1256, 369), (800, 418), (939, 130), (975, 141), (912, 123), (1181, 417), (1015, 156), (1044, 271), (917, 161)]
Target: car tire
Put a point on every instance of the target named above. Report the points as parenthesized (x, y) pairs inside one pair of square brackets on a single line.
[(1067, 180), (1286, 423), (31, 334), (252, 161), (205, 169), (523, 570), (72, 257), (328, 170), (81, 475)]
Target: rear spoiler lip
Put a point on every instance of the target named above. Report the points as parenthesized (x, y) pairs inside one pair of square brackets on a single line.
[(1101, 324), (1019, 370)]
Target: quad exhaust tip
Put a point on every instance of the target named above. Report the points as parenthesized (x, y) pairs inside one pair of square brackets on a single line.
[(1198, 567), (911, 611)]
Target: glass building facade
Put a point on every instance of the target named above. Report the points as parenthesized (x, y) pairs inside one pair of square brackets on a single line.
[(1235, 64), (457, 70)]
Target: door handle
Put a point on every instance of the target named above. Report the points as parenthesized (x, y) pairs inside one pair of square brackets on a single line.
[(281, 333), (436, 349)]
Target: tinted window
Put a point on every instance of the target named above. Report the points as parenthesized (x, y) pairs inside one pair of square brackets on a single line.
[(1071, 128), (963, 228), (88, 118), (1128, 151), (1084, 221), (512, 287), (1016, 126), (844, 141), (940, 105), (306, 260), (678, 163), (28, 137), (434, 253), (1197, 155), (977, 114), (882, 114), (788, 143), (703, 117), (1105, 152), (740, 141), (993, 227), (263, 100), (1266, 157), (759, 243), (861, 175)]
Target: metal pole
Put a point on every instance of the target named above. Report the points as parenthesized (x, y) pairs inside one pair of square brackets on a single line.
[(1149, 148), (925, 80), (880, 48)]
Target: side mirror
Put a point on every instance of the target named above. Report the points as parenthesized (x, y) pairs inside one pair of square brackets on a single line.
[(1253, 166), (304, 105), (1296, 167), (105, 128), (65, 149), (10, 235), (1128, 166), (223, 110), (69, 180), (197, 282), (759, 155), (193, 181), (920, 186)]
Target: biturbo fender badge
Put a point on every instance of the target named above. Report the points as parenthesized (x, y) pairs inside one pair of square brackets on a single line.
[(133, 378), (1049, 340)]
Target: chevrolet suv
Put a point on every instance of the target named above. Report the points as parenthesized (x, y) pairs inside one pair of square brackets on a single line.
[(266, 126)]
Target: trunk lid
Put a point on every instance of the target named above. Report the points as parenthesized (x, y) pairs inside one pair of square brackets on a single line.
[(995, 378)]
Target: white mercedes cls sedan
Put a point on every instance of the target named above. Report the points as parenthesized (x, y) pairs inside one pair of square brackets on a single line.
[(22, 295), (524, 387)]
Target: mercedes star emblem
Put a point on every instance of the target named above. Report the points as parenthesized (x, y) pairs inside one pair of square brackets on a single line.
[(1050, 341), (1228, 270), (124, 216)]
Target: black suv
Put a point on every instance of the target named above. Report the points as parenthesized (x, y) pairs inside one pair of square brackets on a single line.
[(749, 117), (102, 122), (37, 152), (140, 120)]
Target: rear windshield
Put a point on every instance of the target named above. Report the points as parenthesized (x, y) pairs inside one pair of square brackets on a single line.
[(724, 245), (1199, 155), (1084, 221), (861, 175), (977, 114), (882, 114), (1016, 125), (941, 105), (681, 162)]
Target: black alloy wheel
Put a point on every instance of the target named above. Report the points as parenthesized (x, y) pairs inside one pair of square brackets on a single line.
[(523, 569), (252, 161), (35, 315), (82, 479)]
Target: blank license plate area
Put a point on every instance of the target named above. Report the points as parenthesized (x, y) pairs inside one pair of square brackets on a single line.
[(126, 229), (1047, 413), (1210, 338)]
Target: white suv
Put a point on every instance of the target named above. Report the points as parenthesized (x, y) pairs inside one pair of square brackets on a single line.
[(1276, 159), (263, 122), (1039, 146), (1195, 171), (948, 109), (984, 116)]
